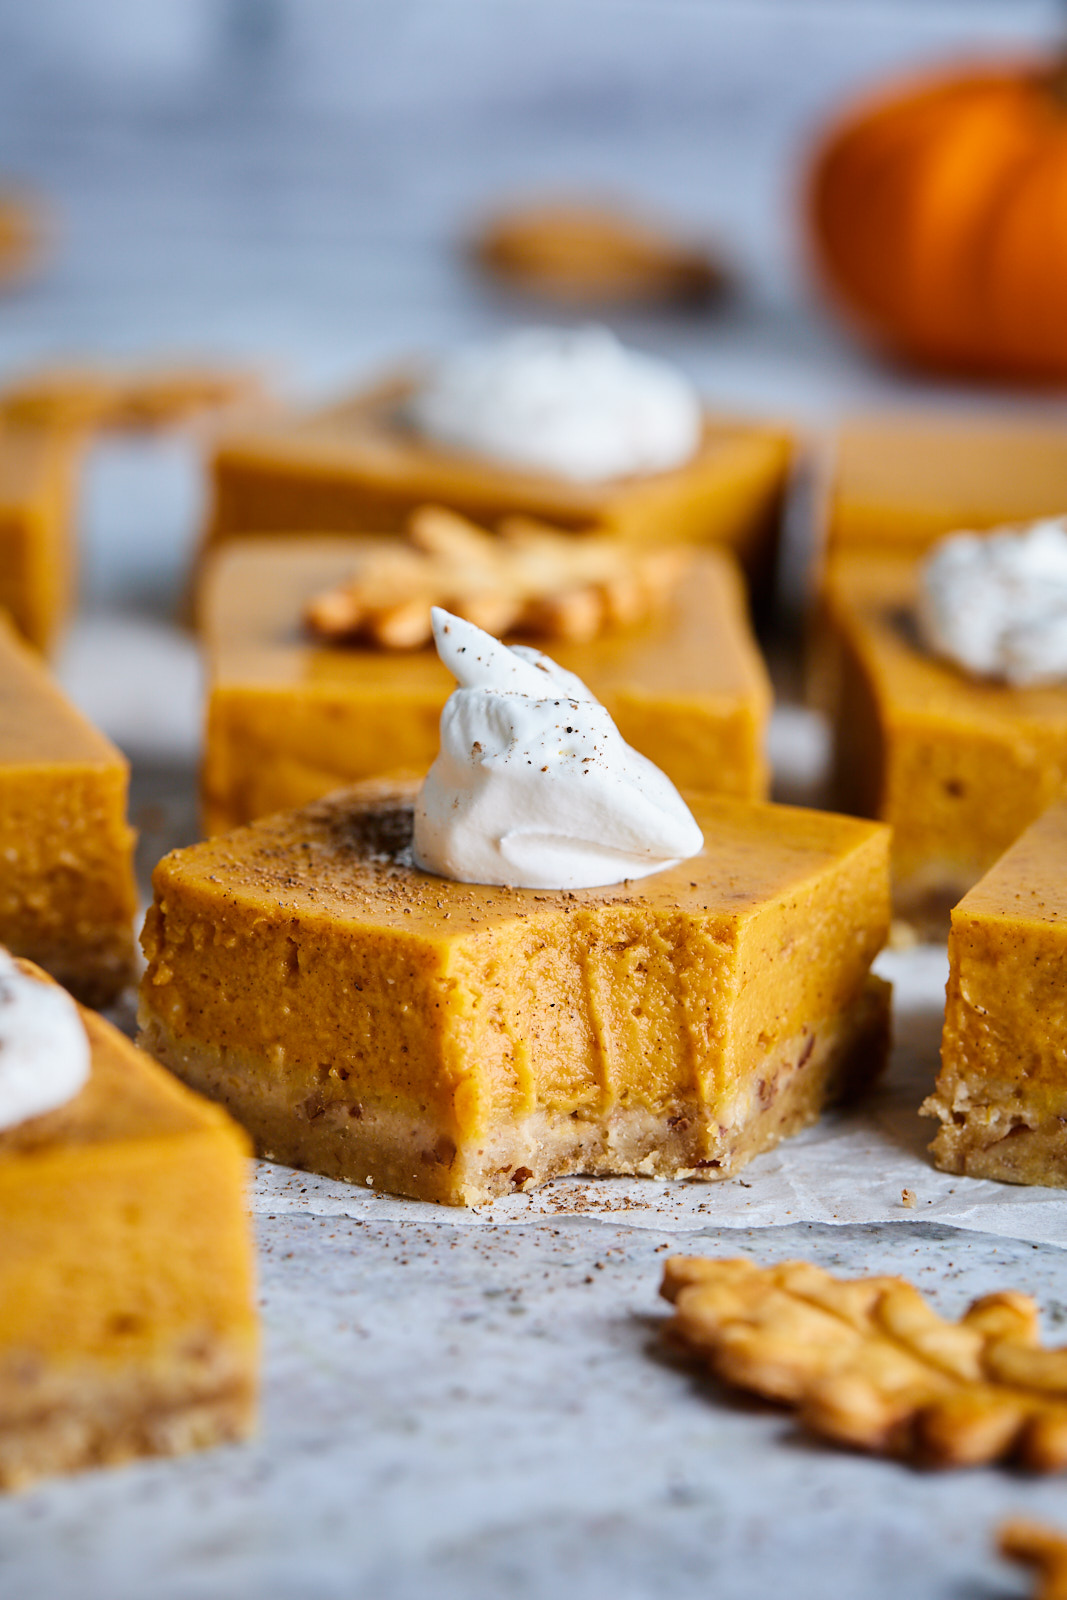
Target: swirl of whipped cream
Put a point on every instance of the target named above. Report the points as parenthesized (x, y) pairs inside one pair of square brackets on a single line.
[(44, 1049), (534, 787), (996, 604), (572, 402)]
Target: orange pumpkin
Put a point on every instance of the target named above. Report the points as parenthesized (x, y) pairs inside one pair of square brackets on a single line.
[(939, 217)]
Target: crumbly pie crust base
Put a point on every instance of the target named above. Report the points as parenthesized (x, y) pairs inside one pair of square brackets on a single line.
[(60, 1419), (989, 1131)]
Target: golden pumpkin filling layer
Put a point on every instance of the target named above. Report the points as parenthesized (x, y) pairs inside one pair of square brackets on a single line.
[(371, 1021)]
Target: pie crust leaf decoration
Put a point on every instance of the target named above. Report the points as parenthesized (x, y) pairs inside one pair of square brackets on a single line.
[(869, 1364), (1042, 1549), (98, 398), (583, 254), (525, 578)]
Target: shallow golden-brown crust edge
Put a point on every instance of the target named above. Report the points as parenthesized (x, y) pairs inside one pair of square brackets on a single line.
[(56, 1422), (983, 1135)]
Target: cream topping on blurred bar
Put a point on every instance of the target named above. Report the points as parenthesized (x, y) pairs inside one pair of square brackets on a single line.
[(575, 403), (44, 1049), (996, 604)]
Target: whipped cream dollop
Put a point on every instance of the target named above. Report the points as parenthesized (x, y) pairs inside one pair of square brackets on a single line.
[(996, 604), (44, 1049), (572, 402), (534, 786)]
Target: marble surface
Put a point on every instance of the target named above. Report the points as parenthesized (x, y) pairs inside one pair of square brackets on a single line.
[(476, 1412), (477, 1405)]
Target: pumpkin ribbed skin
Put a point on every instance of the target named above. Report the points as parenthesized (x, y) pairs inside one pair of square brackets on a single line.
[(939, 217)]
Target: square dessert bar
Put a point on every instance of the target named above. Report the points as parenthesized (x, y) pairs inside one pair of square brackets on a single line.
[(958, 767), (1002, 1091), (67, 891), (355, 467), (899, 483), (452, 1041), (127, 1325), (291, 717), (37, 560)]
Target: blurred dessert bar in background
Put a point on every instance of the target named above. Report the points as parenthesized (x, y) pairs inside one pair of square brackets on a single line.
[(1001, 1095), (67, 891), (127, 1325), (38, 480), (900, 482), (958, 765), (292, 715), (619, 449)]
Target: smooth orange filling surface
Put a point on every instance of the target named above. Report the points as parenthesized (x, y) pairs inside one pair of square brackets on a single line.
[(902, 482), (1006, 1015)]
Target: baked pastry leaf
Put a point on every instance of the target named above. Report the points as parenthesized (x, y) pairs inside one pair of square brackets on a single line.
[(868, 1363), (103, 398), (525, 578), (577, 253), (1042, 1549)]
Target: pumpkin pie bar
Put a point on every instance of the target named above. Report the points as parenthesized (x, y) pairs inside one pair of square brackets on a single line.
[(37, 480), (453, 1041), (901, 483), (958, 766), (1002, 1092), (67, 892), (356, 467), (126, 1319), (896, 484), (291, 717)]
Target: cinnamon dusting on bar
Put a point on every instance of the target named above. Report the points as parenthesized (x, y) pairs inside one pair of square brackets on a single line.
[(526, 578)]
